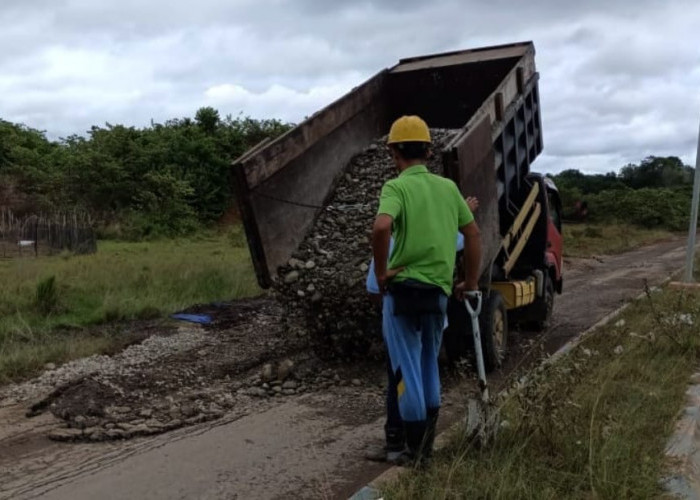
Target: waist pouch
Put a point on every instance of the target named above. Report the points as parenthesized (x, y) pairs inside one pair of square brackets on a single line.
[(413, 298)]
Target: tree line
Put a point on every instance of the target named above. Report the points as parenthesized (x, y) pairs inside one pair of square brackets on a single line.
[(655, 193), (173, 178), (161, 180)]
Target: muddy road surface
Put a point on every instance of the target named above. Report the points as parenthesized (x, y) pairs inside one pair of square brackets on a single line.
[(231, 411)]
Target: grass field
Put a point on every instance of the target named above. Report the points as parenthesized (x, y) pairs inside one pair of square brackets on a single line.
[(587, 240), (45, 302), (592, 425), (50, 305)]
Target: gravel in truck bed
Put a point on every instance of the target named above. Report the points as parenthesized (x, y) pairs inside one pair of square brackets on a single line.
[(324, 281)]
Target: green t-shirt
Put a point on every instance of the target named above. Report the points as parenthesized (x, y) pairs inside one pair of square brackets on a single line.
[(427, 210)]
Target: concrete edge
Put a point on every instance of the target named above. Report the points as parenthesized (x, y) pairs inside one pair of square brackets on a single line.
[(372, 491), (683, 479), (683, 447)]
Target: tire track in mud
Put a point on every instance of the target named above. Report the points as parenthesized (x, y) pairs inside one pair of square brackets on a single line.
[(58, 463)]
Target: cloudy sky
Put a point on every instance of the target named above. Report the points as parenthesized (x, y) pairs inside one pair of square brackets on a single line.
[(620, 79)]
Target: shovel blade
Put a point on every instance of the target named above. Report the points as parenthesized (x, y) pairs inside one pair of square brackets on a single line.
[(482, 423), (476, 420)]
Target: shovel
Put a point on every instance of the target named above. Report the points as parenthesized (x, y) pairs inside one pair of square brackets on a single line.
[(481, 420)]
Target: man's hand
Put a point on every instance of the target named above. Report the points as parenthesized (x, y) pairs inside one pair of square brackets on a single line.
[(383, 280), (463, 286), (472, 203)]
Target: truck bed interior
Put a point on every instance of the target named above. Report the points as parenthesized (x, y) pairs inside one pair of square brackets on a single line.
[(488, 94)]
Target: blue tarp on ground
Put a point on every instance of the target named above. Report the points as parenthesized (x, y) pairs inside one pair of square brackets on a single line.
[(202, 319)]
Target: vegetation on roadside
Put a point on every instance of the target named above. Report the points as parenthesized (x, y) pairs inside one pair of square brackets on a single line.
[(655, 194), (45, 303), (589, 240), (592, 425), (163, 180)]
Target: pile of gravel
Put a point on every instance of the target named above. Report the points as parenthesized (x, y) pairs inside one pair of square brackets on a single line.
[(130, 360), (324, 281), (196, 375)]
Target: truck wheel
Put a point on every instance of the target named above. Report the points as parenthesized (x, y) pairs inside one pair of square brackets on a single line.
[(544, 306), (493, 323)]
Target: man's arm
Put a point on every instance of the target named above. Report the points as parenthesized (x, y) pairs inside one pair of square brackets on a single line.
[(390, 207), (381, 235), (472, 257)]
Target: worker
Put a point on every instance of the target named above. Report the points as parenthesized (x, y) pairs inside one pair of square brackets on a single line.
[(422, 212), (395, 440)]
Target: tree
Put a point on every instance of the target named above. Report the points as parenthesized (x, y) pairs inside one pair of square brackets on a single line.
[(208, 119), (587, 184), (656, 171), (155, 181)]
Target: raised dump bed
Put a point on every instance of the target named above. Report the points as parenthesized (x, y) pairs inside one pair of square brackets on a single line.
[(489, 94)]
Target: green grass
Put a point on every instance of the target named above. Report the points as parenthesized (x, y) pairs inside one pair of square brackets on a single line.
[(587, 240), (45, 302), (592, 425)]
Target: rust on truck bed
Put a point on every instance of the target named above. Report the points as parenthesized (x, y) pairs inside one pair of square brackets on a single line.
[(281, 185)]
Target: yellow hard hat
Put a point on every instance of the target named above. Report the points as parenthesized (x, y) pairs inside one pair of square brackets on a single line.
[(409, 129)]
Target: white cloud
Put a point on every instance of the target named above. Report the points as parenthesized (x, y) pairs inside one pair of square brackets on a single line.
[(277, 101), (619, 80)]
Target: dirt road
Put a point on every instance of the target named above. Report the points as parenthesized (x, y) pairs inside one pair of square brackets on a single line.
[(308, 444)]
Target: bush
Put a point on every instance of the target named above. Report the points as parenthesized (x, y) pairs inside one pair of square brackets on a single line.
[(667, 208), (654, 194), (237, 237), (593, 232), (163, 180), (569, 196), (46, 299)]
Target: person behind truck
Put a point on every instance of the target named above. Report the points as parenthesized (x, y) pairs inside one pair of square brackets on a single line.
[(395, 440), (422, 211)]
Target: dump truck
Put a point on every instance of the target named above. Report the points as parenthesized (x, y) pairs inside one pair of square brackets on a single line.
[(490, 96)]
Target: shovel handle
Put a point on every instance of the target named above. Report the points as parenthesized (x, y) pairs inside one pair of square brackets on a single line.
[(469, 297), (475, 295)]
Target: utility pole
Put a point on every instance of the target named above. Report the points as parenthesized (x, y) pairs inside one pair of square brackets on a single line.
[(690, 254)]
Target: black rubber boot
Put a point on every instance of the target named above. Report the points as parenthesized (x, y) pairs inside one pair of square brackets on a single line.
[(395, 438), (393, 448), (430, 431), (395, 442), (393, 428), (385, 453), (415, 440)]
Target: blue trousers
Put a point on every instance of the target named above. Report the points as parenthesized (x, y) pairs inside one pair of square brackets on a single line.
[(414, 344)]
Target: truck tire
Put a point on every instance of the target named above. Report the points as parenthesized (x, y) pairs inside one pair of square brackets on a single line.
[(493, 323), (458, 339), (543, 306)]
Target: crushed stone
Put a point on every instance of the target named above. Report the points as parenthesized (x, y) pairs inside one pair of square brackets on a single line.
[(324, 281)]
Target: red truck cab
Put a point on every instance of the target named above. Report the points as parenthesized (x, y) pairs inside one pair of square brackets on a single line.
[(542, 256), (555, 240)]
